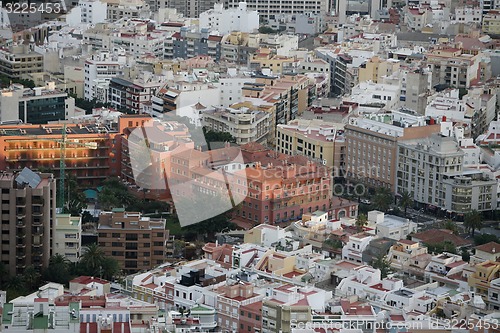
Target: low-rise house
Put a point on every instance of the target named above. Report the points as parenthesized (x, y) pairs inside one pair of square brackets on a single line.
[(486, 252), (436, 236), (443, 268), (409, 257), (354, 248)]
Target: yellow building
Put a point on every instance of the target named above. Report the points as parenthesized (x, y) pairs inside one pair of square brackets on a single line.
[(491, 22), (317, 139), (376, 68), (484, 274), (265, 58)]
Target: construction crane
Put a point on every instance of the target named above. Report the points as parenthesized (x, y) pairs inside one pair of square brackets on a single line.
[(63, 142)]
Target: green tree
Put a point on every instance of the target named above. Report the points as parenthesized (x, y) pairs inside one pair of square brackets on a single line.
[(383, 264), (110, 268), (58, 270), (92, 259), (446, 246), (266, 30), (450, 225), (382, 199), (405, 201), (31, 278), (215, 136), (114, 194), (465, 255), (481, 239), (361, 222), (473, 221), (76, 200)]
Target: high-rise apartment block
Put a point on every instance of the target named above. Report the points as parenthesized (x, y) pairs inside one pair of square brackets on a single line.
[(28, 216), (136, 241)]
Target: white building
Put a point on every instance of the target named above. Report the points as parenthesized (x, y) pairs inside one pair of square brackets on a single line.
[(67, 237), (354, 248), (391, 226), (244, 124), (448, 104), (268, 8), (88, 12), (376, 93), (230, 86), (100, 68), (224, 21), (468, 15)]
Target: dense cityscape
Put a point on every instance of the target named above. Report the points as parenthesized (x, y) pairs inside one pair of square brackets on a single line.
[(272, 166)]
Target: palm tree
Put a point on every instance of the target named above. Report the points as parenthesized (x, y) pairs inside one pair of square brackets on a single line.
[(361, 222), (92, 259), (473, 222), (31, 277), (406, 200), (58, 269), (450, 225), (382, 199)]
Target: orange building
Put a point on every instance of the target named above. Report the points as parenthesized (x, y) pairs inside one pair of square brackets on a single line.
[(92, 154)]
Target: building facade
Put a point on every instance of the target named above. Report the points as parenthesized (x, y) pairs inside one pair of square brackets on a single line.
[(136, 241), (28, 216), (67, 240)]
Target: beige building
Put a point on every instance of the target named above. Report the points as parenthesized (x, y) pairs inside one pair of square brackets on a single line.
[(67, 237), (451, 66), (323, 141), (244, 124), (375, 68), (28, 210), (290, 94), (18, 61), (491, 22), (265, 58), (372, 146)]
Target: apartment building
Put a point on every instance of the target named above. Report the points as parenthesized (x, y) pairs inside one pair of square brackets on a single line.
[(319, 140), (472, 190), (245, 125), (415, 97), (278, 64), (18, 61), (133, 95), (188, 44), (410, 257), (484, 281), (391, 226), (67, 240), (136, 241), (289, 93), (447, 104), (192, 8), (31, 146), (290, 304), (386, 96), (302, 187), (132, 9), (238, 47), (423, 165), (230, 302), (451, 66), (39, 105), (267, 9), (101, 68), (28, 214), (227, 20), (376, 68), (354, 248), (491, 22), (372, 145)]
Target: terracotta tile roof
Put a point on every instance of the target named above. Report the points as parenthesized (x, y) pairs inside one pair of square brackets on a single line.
[(491, 247)]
